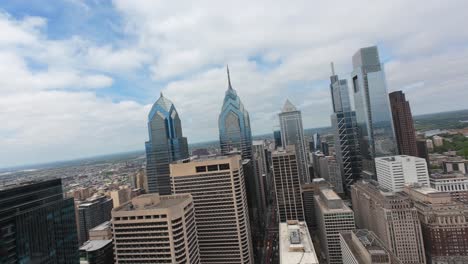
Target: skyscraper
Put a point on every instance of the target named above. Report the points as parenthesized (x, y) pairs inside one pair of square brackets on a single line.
[(156, 229), (91, 213), (260, 172), (373, 115), (221, 211), (37, 225), (287, 184), (292, 133), (403, 123), (394, 172), (392, 217), (234, 124), (345, 132), (277, 137), (165, 144)]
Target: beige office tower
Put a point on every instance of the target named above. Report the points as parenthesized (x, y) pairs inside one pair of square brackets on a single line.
[(392, 217), (333, 216), (156, 229), (218, 190), (364, 247), (287, 184)]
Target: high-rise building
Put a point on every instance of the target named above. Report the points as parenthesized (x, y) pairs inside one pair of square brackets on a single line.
[(331, 172), (364, 247), (308, 192), (423, 152), (277, 137), (156, 229), (317, 142), (295, 244), (37, 225), (374, 119), (287, 184), (396, 171), (234, 125), (392, 217), (97, 252), (444, 225), (121, 196), (92, 212), (456, 183), (292, 133), (345, 132), (333, 216), (403, 123), (220, 199), (260, 171), (165, 144), (101, 232)]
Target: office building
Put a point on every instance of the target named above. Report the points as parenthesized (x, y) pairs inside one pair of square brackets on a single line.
[(295, 244), (394, 172), (220, 199), (139, 180), (166, 144), (403, 123), (101, 232), (392, 217), (438, 141), (260, 171), (429, 144), (460, 166), (374, 119), (154, 228), (455, 183), (292, 133), (364, 247), (317, 142), (287, 184), (444, 225), (234, 125), (277, 138), (92, 212), (97, 252), (333, 216), (37, 225), (120, 196), (330, 170), (344, 125), (423, 152), (308, 192)]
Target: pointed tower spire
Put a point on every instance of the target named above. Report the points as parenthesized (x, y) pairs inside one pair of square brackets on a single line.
[(332, 68), (229, 77), (161, 94), (288, 107)]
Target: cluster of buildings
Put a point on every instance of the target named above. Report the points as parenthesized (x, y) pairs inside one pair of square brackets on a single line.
[(367, 196)]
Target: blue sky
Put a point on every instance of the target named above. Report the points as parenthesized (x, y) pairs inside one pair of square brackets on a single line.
[(77, 78)]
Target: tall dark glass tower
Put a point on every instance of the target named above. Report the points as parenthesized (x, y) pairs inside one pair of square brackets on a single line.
[(37, 225), (345, 132), (403, 123), (165, 145), (373, 115), (234, 125)]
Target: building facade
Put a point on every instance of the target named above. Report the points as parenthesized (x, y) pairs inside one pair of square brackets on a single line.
[(166, 144), (220, 199), (234, 125), (308, 191), (156, 229), (292, 133), (37, 225), (287, 184), (333, 217), (374, 119), (455, 183), (392, 217), (91, 213), (403, 123), (97, 252), (394, 172), (259, 159)]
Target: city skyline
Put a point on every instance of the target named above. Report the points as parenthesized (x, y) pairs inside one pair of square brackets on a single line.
[(91, 92)]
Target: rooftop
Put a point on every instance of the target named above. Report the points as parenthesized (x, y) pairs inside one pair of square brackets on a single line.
[(93, 245), (295, 244), (102, 226), (153, 202)]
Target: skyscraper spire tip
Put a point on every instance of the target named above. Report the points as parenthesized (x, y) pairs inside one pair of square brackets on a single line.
[(229, 77), (332, 68)]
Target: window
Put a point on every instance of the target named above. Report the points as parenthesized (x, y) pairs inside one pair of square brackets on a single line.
[(224, 166), (200, 169), (212, 167)]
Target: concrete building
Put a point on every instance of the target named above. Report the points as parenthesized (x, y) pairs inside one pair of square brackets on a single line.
[(455, 183), (333, 216), (392, 217), (394, 172), (455, 166), (287, 184), (438, 141), (444, 224), (97, 252), (92, 212), (220, 199), (403, 123), (429, 144), (101, 232), (330, 170), (120, 196), (260, 172), (308, 192), (364, 247), (156, 229), (295, 244)]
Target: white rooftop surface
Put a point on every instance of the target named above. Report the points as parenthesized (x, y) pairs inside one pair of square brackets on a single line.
[(92, 245), (306, 256), (426, 190)]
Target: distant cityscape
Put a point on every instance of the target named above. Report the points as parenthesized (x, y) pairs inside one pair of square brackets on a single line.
[(378, 186)]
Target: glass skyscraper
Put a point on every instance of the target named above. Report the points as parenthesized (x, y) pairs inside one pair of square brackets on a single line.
[(292, 133), (165, 145), (345, 132), (37, 225), (373, 115), (234, 125)]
